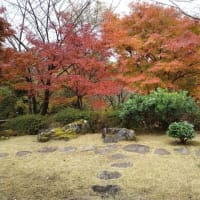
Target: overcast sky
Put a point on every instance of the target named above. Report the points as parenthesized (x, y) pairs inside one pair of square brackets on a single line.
[(192, 7)]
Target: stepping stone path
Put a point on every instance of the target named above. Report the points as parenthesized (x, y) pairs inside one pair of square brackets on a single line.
[(137, 148), (106, 190), (106, 149), (3, 155), (122, 165), (109, 175), (118, 156), (88, 148), (161, 152), (23, 153), (68, 149), (47, 149), (182, 151)]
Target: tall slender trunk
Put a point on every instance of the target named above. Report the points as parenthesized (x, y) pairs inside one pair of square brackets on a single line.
[(34, 102), (45, 104), (80, 102)]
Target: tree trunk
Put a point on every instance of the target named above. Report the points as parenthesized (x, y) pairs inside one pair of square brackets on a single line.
[(34, 102), (45, 104), (80, 102)]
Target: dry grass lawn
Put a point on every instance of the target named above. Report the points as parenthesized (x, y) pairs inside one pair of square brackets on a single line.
[(64, 176)]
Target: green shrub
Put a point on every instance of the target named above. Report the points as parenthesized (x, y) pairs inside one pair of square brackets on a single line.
[(97, 119), (158, 109), (182, 130), (7, 107), (27, 124), (70, 115), (101, 119)]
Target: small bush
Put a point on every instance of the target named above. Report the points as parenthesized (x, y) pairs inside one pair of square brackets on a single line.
[(158, 109), (182, 130), (27, 124)]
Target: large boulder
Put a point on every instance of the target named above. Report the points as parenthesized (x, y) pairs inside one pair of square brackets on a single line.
[(110, 135), (67, 132)]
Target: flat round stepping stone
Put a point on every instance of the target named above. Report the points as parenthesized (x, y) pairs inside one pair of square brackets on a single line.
[(161, 152), (109, 175), (108, 189), (106, 149), (182, 151), (47, 149), (118, 156), (4, 155), (87, 148), (68, 149), (23, 153), (122, 165), (137, 148), (198, 152)]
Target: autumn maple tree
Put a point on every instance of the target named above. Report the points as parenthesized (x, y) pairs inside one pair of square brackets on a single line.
[(154, 46), (77, 61)]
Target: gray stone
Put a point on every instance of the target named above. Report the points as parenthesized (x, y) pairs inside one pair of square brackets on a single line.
[(47, 149), (106, 149), (67, 132), (137, 148), (23, 153), (68, 149), (111, 135), (87, 148), (161, 152), (80, 126), (122, 165), (109, 175), (118, 156), (108, 189), (182, 151), (3, 155)]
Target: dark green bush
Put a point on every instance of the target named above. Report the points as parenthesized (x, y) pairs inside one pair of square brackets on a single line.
[(69, 115), (181, 130), (27, 124), (101, 119), (158, 109), (7, 107), (96, 119)]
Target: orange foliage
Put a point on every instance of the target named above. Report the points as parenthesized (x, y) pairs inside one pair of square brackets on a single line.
[(154, 46)]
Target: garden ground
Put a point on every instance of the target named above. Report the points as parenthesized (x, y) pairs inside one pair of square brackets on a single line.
[(27, 172)]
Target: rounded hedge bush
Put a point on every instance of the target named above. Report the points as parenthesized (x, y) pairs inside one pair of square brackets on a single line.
[(184, 131), (158, 109)]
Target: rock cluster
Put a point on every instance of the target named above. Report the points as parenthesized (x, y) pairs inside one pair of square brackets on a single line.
[(67, 132)]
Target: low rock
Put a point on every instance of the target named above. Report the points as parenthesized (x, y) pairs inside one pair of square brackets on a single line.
[(161, 152), (67, 132), (3, 155), (80, 126), (122, 165), (109, 175), (23, 153), (110, 135), (106, 190), (68, 149), (118, 156), (182, 151), (47, 149), (137, 148)]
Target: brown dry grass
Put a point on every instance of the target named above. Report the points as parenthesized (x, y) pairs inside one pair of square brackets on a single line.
[(59, 176)]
